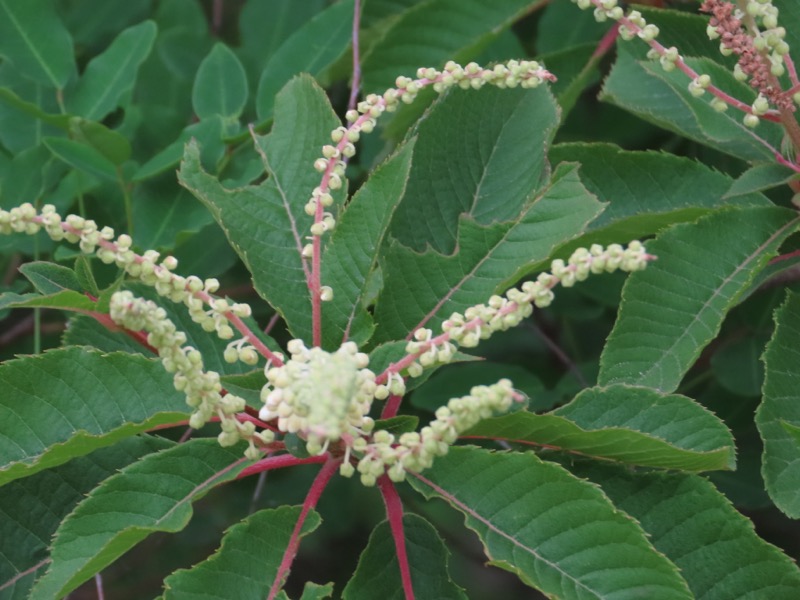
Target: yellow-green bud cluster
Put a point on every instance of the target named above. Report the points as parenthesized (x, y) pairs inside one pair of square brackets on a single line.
[(202, 388), (416, 451), (770, 39), (146, 268), (501, 313), (320, 395)]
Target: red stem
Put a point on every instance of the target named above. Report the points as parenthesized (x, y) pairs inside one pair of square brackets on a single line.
[(356, 84), (279, 462), (783, 257), (607, 43), (320, 482), (394, 512), (391, 407)]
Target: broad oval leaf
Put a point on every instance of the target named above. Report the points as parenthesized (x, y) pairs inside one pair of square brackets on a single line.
[(31, 509), (154, 494), (68, 402), (112, 74), (220, 86), (247, 560), (378, 573), (35, 40), (702, 270), (716, 548), (781, 406), (633, 425), (558, 533)]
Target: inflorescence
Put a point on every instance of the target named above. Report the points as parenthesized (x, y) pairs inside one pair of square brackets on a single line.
[(362, 119), (753, 35), (326, 397)]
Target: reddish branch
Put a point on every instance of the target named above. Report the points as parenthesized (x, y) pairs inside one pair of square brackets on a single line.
[(394, 512), (320, 482)]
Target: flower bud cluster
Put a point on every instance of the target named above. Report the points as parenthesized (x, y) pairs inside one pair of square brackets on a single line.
[(362, 119), (501, 313), (191, 291), (202, 388), (321, 395), (416, 451), (755, 37)]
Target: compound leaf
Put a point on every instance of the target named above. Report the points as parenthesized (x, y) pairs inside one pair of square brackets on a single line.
[(153, 494), (378, 572), (673, 308), (556, 532), (247, 560), (32, 508), (68, 402), (780, 407), (637, 426), (694, 525)]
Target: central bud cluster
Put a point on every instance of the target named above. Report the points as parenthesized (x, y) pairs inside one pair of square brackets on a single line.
[(321, 395)]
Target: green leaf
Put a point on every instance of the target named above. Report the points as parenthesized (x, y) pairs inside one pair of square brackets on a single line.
[(781, 407), (433, 32), (207, 133), (264, 26), (397, 425), (424, 289), (85, 276), (49, 278), (31, 509), (310, 49), (489, 170), (314, 591), (695, 526), (65, 300), (267, 224), (702, 270), (352, 253), (564, 25), (646, 191), (34, 110), (578, 70), (68, 402), (111, 75), (456, 380), (82, 157), (759, 178), (556, 532), (378, 573), (643, 88), (109, 143), (737, 368), (86, 331), (220, 86), (35, 40), (154, 494), (637, 426), (247, 561)]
